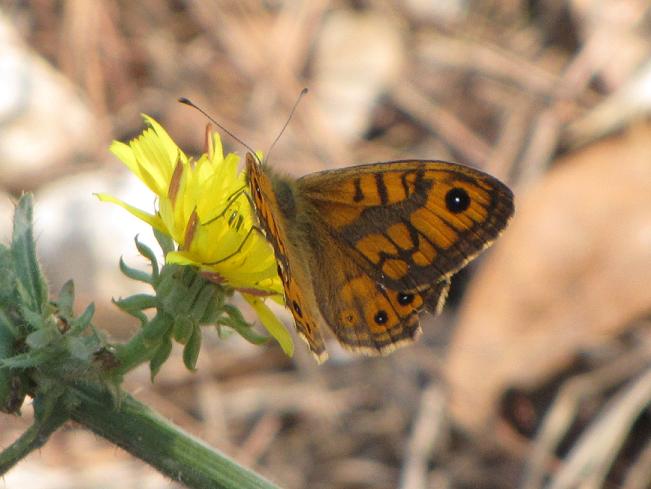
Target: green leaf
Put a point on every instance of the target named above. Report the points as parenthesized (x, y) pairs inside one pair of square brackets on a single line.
[(66, 299), (135, 274), (245, 330), (235, 314), (7, 326), (78, 349), (183, 328), (147, 252), (202, 302), (192, 348), (173, 292), (41, 338), (196, 285), (9, 397), (7, 276), (159, 358), (34, 320), (79, 325), (139, 315), (157, 328), (30, 359), (137, 302), (165, 242), (23, 250), (235, 320), (7, 338), (215, 307), (223, 332)]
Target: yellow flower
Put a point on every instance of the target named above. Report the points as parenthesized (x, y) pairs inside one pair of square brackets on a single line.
[(203, 207)]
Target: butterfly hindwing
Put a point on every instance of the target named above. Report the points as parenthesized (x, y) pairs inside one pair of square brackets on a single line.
[(364, 314)]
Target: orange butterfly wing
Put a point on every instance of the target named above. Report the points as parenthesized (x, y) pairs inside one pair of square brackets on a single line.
[(410, 223), (364, 249)]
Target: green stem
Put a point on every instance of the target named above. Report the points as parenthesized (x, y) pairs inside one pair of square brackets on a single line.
[(143, 433), (142, 346), (35, 436)]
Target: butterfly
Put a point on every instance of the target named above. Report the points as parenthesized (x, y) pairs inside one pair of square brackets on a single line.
[(362, 250)]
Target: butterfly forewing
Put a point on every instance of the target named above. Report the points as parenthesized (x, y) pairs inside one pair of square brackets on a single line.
[(410, 223)]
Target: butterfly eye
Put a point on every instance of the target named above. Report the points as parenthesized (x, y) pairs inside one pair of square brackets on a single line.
[(381, 317), (405, 299), (457, 200)]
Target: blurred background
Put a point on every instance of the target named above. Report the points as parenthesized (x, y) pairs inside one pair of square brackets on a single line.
[(538, 372)]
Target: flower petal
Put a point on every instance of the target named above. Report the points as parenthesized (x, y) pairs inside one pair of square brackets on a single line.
[(151, 219), (272, 324)]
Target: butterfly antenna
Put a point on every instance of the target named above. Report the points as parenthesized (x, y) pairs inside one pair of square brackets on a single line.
[(189, 102), (291, 113)]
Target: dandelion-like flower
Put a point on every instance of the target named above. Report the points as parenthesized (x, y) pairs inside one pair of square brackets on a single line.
[(203, 206)]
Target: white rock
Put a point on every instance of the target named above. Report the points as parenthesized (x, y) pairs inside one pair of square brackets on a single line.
[(43, 119), (358, 57), (81, 238)]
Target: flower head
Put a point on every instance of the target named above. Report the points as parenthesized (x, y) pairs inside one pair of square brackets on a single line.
[(203, 206)]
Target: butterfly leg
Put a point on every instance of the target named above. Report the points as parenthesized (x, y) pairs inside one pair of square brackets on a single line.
[(229, 202), (238, 250)]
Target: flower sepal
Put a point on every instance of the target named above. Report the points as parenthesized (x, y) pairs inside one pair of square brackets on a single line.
[(184, 300)]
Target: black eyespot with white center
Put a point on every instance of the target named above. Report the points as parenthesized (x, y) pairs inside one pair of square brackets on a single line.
[(457, 200), (381, 317), (405, 299)]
